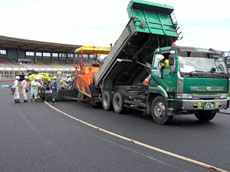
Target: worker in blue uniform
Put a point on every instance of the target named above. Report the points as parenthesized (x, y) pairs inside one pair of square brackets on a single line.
[(54, 89)]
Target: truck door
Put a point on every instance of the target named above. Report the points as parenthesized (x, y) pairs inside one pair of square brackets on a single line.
[(167, 77)]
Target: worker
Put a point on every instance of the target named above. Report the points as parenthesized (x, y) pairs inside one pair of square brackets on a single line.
[(35, 85), (160, 68), (164, 63), (16, 91), (24, 86), (54, 89), (63, 84)]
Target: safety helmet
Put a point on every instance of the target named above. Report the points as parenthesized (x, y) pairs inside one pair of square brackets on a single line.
[(25, 77), (17, 77), (54, 77)]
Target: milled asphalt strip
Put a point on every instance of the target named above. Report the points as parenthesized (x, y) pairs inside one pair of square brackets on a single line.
[(207, 166)]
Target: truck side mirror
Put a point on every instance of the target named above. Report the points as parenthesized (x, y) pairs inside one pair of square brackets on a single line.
[(227, 63), (171, 59)]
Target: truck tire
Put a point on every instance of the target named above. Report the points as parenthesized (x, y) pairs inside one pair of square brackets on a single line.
[(107, 98), (118, 102), (205, 116), (159, 111)]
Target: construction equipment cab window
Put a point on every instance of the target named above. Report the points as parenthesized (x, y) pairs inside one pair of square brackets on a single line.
[(94, 60)]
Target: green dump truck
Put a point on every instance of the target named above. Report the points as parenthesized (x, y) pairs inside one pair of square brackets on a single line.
[(182, 80)]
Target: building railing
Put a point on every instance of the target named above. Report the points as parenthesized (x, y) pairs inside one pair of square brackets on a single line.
[(10, 75)]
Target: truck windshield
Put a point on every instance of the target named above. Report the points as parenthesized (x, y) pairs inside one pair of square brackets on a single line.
[(191, 65)]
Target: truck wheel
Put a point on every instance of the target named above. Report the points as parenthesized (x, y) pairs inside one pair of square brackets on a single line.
[(205, 116), (118, 102), (107, 98), (159, 111)]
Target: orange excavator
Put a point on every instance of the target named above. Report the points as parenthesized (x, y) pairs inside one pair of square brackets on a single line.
[(87, 61)]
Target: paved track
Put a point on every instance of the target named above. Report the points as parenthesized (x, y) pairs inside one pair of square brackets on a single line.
[(37, 138), (208, 143)]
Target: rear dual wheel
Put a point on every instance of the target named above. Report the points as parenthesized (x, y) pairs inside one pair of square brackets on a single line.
[(107, 98), (118, 102)]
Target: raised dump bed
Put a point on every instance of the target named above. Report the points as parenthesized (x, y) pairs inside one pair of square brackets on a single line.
[(150, 26)]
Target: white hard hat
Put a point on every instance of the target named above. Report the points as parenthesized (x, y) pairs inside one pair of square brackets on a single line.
[(26, 77), (17, 77)]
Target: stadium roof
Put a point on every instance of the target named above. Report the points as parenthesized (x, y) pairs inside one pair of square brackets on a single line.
[(38, 46)]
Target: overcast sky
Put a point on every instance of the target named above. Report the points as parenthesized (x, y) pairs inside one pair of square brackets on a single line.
[(89, 22)]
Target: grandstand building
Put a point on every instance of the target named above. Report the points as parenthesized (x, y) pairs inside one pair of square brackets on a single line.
[(21, 56)]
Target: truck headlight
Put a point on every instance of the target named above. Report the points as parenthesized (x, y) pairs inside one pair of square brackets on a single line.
[(223, 96), (184, 96)]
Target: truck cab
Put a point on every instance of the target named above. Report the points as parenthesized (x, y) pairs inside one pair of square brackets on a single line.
[(192, 80)]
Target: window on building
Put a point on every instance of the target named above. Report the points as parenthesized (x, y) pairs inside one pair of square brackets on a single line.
[(38, 54), (62, 55), (70, 55), (46, 54), (29, 53), (2, 51), (55, 54)]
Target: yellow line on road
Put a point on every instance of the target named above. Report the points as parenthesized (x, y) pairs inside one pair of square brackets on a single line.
[(211, 168)]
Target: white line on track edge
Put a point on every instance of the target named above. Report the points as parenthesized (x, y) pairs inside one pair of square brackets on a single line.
[(201, 164)]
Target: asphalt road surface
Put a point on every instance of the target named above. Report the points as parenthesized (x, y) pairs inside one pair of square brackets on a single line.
[(34, 137)]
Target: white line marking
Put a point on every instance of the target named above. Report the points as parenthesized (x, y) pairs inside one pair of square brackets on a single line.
[(201, 164)]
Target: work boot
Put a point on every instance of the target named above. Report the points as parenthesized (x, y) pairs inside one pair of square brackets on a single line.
[(15, 100), (18, 101), (25, 101)]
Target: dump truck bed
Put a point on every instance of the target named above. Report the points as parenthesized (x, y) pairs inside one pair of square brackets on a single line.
[(150, 26)]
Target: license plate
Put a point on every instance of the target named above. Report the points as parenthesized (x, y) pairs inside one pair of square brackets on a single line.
[(209, 105)]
